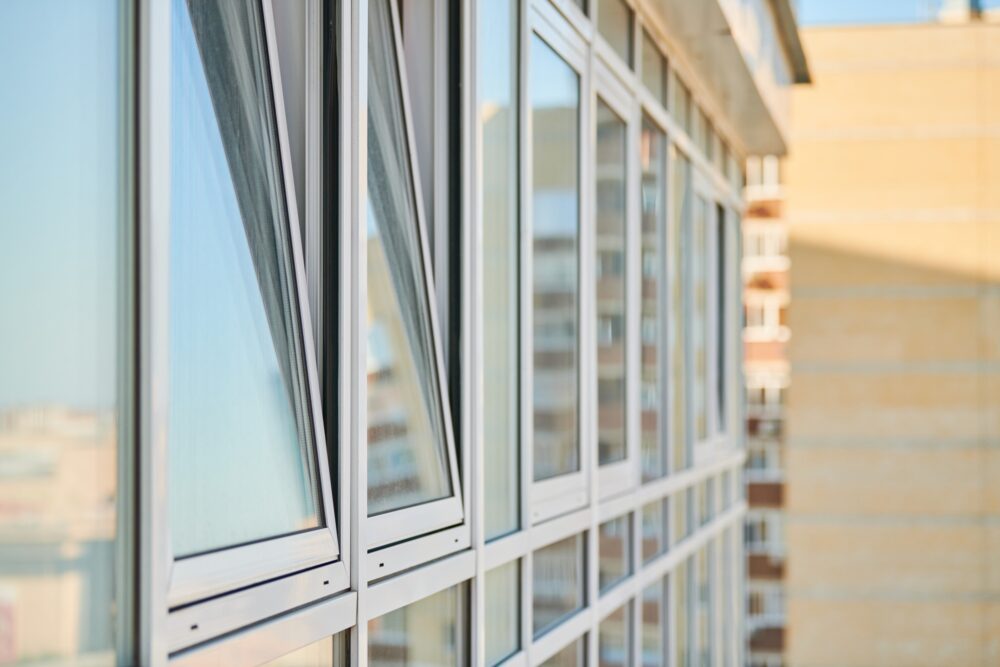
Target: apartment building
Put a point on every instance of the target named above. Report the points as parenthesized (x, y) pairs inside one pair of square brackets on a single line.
[(765, 338), (377, 332), (892, 463)]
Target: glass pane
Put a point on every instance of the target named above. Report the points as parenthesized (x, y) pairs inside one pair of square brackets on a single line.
[(614, 20), (614, 638), (503, 612), (327, 652), (654, 529), (678, 244), (611, 242), (654, 68), (555, 108), (427, 633), (573, 655), (407, 457), (653, 627), (697, 295), (682, 523), (237, 372), (615, 551), (721, 316), (682, 595), (63, 174), (653, 162), (703, 618), (557, 582), (498, 82)]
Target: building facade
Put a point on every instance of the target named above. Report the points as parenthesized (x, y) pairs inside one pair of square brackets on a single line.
[(765, 337), (377, 332), (892, 457)]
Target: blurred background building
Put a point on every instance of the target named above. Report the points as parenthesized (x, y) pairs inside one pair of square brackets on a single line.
[(892, 443), (766, 335)]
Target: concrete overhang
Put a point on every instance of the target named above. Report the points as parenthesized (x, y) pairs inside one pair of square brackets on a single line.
[(747, 53)]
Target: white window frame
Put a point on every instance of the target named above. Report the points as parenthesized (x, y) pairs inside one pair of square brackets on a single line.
[(618, 477), (557, 495)]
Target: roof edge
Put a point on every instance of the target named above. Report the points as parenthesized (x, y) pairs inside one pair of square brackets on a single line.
[(788, 28)]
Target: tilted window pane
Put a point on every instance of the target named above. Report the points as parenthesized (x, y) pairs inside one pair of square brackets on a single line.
[(557, 582), (240, 436), (614, 20), (427, 633), (653, 626), (574, 655), (555, 108), (615, 551), (503, 612), (654, 68), (63, 174), (653, 162), (407, 451), (677, 241), (682, 501), (614, 638), (498, 82), (610, 174), (682, 613), (703, 632), (697, 297)]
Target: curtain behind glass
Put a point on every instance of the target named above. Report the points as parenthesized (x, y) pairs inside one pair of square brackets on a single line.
[(240, 438), (407, 457)]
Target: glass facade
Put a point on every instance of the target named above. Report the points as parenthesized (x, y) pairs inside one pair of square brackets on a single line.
[(267, 382)]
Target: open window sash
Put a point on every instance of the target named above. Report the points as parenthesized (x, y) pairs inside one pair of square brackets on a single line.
[(448, 512), (218, 591)]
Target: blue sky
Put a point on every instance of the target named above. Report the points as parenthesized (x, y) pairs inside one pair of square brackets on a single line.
[(843, 12)]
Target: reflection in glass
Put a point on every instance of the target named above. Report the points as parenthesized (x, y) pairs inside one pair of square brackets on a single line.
[(614, 638), (654, 68), (682, 613), (497, 80), (237, 372), (679, 244), (653, 626), (703, 619), (555, 109), (557, 582), (614, 21), (654, 529), (615, 551), (427, 633), (503, 612), (682, 523), (407, 452), (573, 655), (697, 296), (327, 652), (653, 163), (610, 240), (62, 212)]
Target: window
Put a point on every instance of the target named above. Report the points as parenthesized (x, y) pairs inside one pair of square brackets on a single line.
[(574, 655), (65, 437), (652, 160), (242, 377), (682, 587), (681, 248), (703, 602), (412, 466), (654, 629), (498, 86), (329, 652), (682, 106), (614, 21), (614, 551), (611, 289), (682, 501), (503, 612), (427, 633), (654, 69), (555, 110), (698, 330), (557, 582), (614, 639), (654, 529)]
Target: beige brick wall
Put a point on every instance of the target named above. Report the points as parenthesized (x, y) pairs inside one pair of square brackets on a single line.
[(893, 484)]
